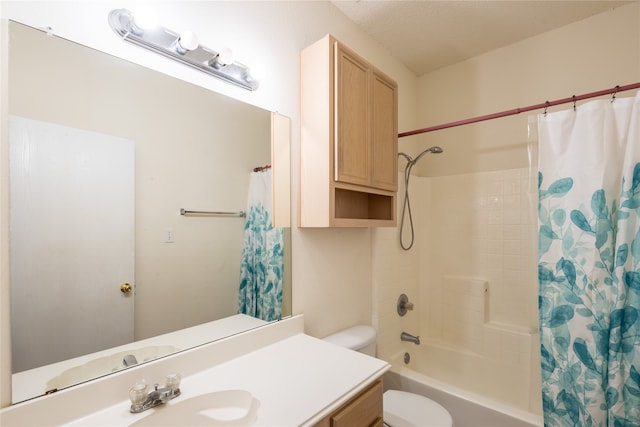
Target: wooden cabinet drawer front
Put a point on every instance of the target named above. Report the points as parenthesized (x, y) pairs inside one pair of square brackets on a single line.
[(364, 411)]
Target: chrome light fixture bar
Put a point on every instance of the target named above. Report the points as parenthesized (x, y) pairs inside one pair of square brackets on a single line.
[(182, 48)]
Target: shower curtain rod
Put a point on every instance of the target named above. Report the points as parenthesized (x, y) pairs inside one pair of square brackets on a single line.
[(515, 111)]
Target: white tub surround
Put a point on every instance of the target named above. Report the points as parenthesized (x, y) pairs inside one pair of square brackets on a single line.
[(297, 379)]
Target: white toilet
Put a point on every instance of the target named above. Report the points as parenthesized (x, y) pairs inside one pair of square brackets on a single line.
[(401, 409)]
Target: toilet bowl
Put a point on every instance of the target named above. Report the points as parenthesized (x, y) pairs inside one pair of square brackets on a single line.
[(401, 408)]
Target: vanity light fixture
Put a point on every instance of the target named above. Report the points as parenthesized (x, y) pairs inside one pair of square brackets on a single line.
[(183, 48)]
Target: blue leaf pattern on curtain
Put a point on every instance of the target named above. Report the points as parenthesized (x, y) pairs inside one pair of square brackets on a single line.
[(262, 266), (589, 264)]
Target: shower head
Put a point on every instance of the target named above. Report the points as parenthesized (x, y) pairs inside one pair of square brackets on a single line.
[(432, 150)]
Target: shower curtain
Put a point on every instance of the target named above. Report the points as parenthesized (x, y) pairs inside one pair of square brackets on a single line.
[(589, 264), (262, 266)]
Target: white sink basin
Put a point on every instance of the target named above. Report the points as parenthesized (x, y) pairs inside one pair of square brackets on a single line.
[(219, 408)]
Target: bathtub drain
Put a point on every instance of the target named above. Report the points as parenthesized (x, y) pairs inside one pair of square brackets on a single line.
[(407, 358)]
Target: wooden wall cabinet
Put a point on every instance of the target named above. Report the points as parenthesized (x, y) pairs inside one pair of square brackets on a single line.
[(364, 410), (349, 140)]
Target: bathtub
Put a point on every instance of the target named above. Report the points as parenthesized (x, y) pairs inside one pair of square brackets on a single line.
[(467, 409)]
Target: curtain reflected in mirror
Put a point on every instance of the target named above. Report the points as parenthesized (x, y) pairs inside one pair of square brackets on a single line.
[(261, 269), (190, 148)]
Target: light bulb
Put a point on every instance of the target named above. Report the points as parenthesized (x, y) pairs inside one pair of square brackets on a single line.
[(188, 40), (225, 56), (145, 17), (257, 72)]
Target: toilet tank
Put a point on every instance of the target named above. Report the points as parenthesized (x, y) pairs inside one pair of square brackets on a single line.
[(361, 338)]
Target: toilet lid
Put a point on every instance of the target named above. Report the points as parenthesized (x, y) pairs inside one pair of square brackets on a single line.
[(403, 409)]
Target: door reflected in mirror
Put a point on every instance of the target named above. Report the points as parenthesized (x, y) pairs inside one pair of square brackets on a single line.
[(188, 148)]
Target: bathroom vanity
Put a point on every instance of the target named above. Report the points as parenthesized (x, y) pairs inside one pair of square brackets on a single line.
[(283, 376)]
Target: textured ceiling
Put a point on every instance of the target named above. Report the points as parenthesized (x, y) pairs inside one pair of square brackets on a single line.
[(426, 35)]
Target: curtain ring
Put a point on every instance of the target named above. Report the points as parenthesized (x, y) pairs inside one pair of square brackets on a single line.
[(545, 107), (615, 91), (574, 103)]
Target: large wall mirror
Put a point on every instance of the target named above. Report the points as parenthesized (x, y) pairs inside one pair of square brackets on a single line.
[(106, 272)]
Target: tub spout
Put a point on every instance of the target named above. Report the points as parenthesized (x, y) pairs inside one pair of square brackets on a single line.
[(410, 338)]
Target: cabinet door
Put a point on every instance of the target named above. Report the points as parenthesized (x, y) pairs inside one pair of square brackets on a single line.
[(352, 133), (384, 139), (364, 411)]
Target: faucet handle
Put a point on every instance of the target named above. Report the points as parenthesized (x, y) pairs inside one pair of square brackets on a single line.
[(172, 381), (138, 395), (403, 304)]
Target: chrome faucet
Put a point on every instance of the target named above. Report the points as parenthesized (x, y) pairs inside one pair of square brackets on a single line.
[(410, 338), (141, 401), (129, 360)]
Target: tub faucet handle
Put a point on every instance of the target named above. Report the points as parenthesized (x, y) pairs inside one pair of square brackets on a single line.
[(404, 304)]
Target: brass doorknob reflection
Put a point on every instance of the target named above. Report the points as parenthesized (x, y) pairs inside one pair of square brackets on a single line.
[(126, 288)]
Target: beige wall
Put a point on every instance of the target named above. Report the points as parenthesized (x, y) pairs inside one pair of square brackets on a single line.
[(331, 268), (474, 209), (597, 53), (5, 325)]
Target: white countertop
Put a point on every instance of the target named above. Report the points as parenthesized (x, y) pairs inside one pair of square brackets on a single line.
[(297, 379)]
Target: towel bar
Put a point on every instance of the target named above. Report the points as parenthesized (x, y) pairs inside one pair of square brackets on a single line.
[(213, 213)]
